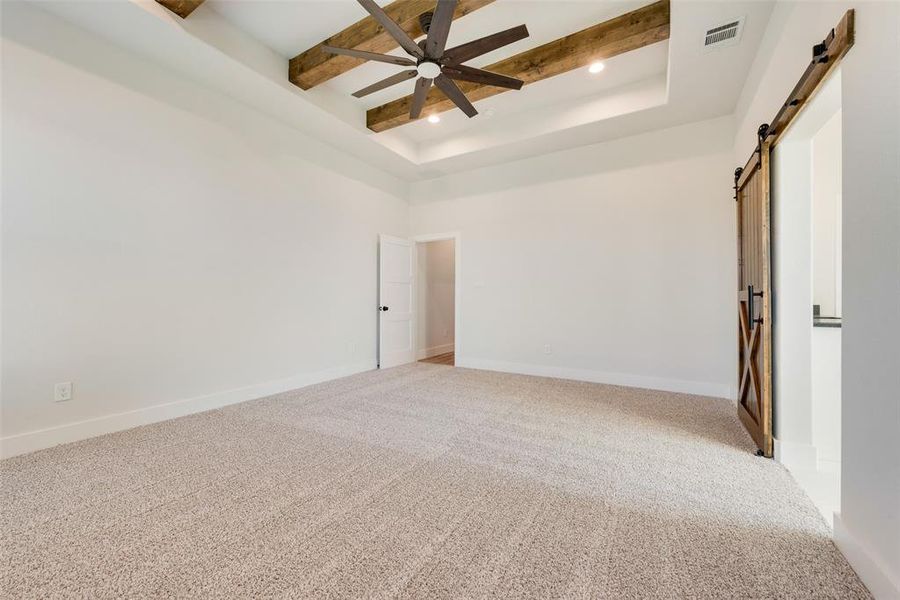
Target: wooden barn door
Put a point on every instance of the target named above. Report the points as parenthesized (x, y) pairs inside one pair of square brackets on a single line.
[(754, 326)]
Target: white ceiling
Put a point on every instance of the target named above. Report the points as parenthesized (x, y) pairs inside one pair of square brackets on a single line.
[(289, 27), (620, 71), (546, 21), (241, 47)]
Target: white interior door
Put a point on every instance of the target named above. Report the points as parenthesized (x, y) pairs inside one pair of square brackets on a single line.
[(396, 326)]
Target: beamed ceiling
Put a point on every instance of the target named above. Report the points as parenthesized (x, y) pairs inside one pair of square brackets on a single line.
[(631, 31), (315, 66), (182, 8), (657, 73)]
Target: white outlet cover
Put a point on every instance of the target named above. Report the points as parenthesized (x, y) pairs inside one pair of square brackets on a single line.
[(62, 392), (547, 349)]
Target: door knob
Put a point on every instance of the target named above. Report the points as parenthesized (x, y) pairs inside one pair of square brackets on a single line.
[(384, 308)]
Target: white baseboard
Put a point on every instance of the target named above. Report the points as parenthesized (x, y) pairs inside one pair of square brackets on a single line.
[(72, 432), (434, 351), (796, 456), (872, 573), (700, 388)]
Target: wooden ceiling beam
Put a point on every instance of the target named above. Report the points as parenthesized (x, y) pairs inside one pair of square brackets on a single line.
[(182, 8), (315, 66), (625, 33)]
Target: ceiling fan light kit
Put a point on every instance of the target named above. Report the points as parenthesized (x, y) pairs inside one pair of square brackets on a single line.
[(431, 63), (428, 69)]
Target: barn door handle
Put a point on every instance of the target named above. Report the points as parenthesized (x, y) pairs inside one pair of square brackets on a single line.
[(750, 295)]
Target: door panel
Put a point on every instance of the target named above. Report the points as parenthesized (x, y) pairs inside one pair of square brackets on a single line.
[(396, 268), (754, 326)]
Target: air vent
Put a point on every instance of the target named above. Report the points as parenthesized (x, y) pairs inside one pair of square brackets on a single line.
[(722, 36)]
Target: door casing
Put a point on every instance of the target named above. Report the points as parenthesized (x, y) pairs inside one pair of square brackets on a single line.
[(457, 291)]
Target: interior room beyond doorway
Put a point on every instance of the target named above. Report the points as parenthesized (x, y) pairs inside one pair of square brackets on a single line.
[(436, 301)]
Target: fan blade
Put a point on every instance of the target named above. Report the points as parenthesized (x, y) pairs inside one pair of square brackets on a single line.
[(455, 94), (440, 28), (464, 73), (470, 50), (422, 87), (392, 28), (386, 83), (385, 58)]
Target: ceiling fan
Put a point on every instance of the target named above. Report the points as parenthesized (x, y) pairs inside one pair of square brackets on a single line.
[(431, 62)]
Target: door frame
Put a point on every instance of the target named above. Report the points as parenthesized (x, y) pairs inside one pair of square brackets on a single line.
[(457, 284)]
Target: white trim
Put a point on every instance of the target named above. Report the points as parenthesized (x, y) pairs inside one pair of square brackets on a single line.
[(870, 570), (436, 237), (72, 432), (434, 351), (796, 455), (700, 388), (457, 279)]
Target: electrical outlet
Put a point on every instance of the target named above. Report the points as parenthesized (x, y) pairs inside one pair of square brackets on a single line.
[(548, 349), (62, 392), (351, 347)]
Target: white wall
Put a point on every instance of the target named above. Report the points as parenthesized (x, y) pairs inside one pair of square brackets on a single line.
[(162, 243), (792, 315), (826, 395), (868, 529), (870, 436), (436, 298), (613, 262), (826, 213)]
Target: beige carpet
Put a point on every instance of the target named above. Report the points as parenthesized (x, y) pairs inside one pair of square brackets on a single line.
[(422, 481)]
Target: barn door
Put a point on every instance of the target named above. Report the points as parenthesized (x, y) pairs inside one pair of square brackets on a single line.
[(754, 299)]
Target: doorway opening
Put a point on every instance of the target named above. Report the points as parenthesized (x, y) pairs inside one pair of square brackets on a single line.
[(418, 299), (806, 224), (436, 300)]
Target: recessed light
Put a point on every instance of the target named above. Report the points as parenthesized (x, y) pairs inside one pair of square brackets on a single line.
[(596, 67), (434, 119)]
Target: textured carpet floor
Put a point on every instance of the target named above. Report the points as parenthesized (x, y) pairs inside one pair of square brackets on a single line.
[(421, 481)]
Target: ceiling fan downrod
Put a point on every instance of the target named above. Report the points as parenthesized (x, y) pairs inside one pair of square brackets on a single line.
[(425, 21)]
